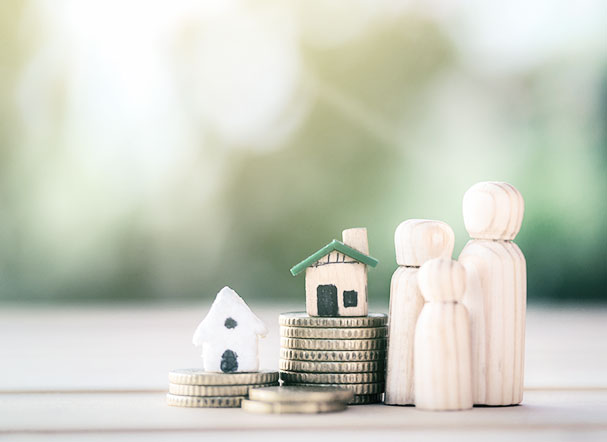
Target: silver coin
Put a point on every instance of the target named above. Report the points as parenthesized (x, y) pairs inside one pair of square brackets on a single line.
[(292, 407), (368, 388), (196, 376), (299, 393), (331, 367), (290, 377), (333, 333), (301, 319), (333, 344), (204, 401), (332, 355)]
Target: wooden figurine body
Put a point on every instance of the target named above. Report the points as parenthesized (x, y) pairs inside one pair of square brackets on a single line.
[(443, 374), (229, 335), (336, 276), (496, 292), (416, 242)]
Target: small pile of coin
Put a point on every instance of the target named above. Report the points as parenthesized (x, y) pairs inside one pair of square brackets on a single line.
[(199, 389), (297, 399), (346, 352)]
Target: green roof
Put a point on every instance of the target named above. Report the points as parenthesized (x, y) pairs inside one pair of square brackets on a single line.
[(340, 247)]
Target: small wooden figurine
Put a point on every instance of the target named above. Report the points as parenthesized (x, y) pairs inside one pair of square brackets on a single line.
[(229, 335), (336, 276), (416, 241), (496, 293), (443, 376)]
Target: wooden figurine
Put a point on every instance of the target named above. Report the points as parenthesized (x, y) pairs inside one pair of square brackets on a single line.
[(229, 335), (443, 375), (496, 291), (336, 276), (416, 241)]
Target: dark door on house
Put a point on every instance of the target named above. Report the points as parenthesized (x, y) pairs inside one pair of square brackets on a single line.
[(326, 300)]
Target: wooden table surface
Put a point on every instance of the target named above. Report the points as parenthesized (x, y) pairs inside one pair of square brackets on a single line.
[(87, 374)]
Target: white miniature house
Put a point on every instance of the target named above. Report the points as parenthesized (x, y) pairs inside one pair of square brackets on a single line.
[(336, 276), (229, 335)]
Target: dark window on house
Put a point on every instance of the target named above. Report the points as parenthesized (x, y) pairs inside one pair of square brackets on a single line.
[(350, 298), (230, 323)]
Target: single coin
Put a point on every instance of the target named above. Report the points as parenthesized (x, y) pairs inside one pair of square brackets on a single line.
[(363, 399), (197, 376), (301, 319), (332, 355), (292, 407), (333, 333), (299, 393), (291, 377), (213, 390), (330, 367), (204, 401), (333, 344), (369, 388)]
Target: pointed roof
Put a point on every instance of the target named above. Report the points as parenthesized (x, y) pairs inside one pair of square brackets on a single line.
[(227, 303), (340, 247)]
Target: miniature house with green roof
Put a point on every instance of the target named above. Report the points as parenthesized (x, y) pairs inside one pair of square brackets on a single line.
[(336, 276)]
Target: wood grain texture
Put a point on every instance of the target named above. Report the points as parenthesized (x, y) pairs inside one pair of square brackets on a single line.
[(496, 300), (548, 416), (406, 303), (344, 276), (565, 399), (416, 241), (356, 238), (496, 294), (557, 356), (442, 355), (419, 240), (493, 210)]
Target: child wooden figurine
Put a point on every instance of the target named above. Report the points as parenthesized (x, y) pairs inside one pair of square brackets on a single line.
[(443, 376), (229, 335)]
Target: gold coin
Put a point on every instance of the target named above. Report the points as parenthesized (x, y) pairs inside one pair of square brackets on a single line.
[(197, 376), (333, 344), (301, 319), (331, 367), (331, 355), (213, 390), (290, 377), (333, 333), (369, 388), (298, 393), (292, 407), (363, 399), (204, 401)]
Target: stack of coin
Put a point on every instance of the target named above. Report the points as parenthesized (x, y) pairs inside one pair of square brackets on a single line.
[(297, 399), (196, 388), (346, 352)]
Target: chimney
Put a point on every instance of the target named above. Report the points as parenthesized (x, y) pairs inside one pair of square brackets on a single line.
[(357, 239)]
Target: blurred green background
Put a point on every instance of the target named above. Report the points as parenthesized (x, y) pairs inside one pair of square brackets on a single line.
[(161, 150)]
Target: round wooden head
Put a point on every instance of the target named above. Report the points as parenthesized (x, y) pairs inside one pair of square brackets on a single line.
[(418, 240), (442, 280), (493, 210)]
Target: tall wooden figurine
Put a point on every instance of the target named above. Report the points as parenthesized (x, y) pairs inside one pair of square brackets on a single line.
[(443, 376), (416, 241), (496, 294)]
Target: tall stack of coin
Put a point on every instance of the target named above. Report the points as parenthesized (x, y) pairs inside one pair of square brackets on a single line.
[(197, 388), (346, 352)]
